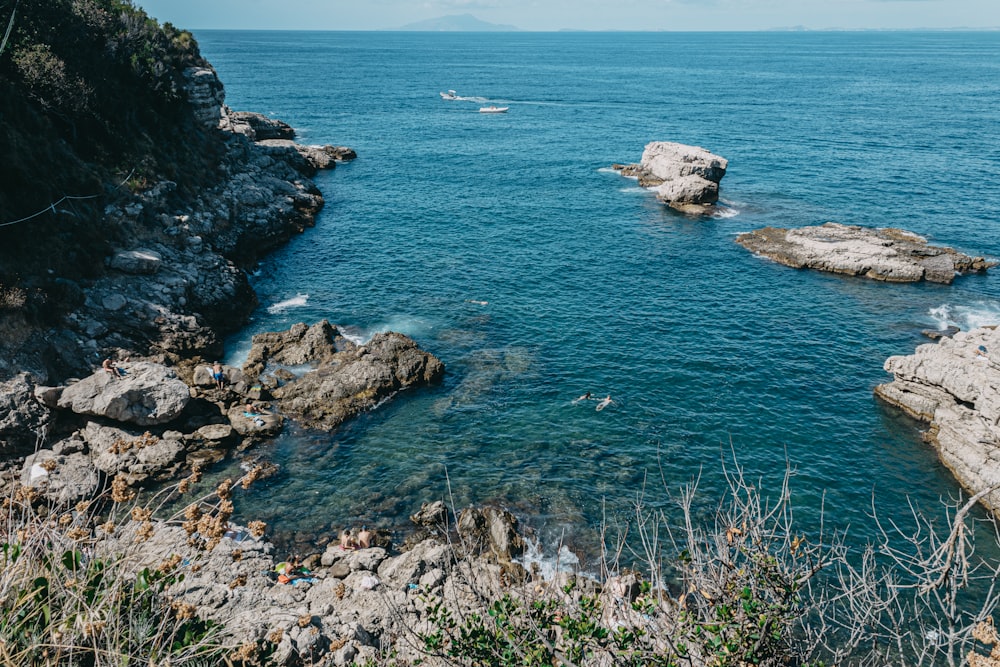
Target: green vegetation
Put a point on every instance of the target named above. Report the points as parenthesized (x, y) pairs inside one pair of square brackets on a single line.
[(91, 94)]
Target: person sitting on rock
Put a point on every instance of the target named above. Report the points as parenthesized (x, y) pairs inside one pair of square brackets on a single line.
[(347, 541), (219, 375), (365, 538), (112, 369)]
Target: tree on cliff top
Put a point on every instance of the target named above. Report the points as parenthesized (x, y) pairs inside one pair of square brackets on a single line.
[(90, 92)]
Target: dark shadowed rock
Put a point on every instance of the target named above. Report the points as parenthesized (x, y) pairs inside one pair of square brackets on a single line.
[(891, 255), (490, 530), (22, 416)]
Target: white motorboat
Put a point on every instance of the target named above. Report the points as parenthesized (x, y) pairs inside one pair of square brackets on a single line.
[(450, 95), (493, 109)]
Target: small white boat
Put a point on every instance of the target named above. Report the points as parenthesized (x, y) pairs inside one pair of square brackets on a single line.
[(493, 109), (450, 95)]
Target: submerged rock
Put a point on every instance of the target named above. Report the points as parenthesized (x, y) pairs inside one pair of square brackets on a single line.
[(891, 255), (684, 177), (953, 386)]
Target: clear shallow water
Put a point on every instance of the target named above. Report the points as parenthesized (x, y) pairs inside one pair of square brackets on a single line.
[(590, 285)]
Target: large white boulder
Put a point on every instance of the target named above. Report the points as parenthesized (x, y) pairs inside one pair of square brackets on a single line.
[(147, 394)]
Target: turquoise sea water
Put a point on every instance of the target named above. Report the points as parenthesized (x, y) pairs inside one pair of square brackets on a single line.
[(504, 245)]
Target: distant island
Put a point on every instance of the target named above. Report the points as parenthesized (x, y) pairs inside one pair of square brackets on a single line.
[(458, 23)]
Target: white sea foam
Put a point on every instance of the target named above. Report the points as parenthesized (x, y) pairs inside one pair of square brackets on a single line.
[(633, 190), (966, 317), (414, 327), (548, 566), (607, 170), (296, 301), (722, 212)]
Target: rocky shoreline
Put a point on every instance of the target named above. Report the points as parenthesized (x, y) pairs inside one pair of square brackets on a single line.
[(175, 282), (953, 385)]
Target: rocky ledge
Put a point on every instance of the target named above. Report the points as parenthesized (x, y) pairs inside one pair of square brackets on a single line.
[(344, 378), (954, 385), (174, 282), (355, 606), (685, 178), (145, 422), (891, 255)]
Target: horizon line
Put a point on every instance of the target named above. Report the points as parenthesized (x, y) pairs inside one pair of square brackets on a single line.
[(605, 31)]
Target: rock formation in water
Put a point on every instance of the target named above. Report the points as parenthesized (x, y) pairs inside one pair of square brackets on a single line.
[(892, 255), (954, 385), (344, 378), (684, 177)]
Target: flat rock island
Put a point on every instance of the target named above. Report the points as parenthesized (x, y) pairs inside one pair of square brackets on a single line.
[(685, 178), (887, 254)]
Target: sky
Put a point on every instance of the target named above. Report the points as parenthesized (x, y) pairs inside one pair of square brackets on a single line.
[(551, 15)]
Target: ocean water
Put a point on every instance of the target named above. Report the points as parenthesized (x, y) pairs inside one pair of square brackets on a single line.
[(504, 245)]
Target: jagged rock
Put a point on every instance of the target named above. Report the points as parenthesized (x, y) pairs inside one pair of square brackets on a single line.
[(888, 254), (203, 377), (205, 94), (22, 417), (491, 530), (683, 177), (298, 346), (954, 388), (431, 515), (307, 159), (63, 479), (148, 394), (259, 127), (349, 378), (138, 457), (140, 262)]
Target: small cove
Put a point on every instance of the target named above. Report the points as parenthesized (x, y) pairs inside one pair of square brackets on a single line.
[(504, 246)]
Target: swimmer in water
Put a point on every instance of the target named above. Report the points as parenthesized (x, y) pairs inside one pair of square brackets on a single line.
[(605, 402), (585, 397)]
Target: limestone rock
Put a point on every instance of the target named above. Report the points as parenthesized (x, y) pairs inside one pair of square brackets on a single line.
[(61, 479), (891, 255), (955, 389), (349, 379), (259, 127), (683, 177), (307, 158), (137, 456), (148, 394), (203, 375), (205, 94)]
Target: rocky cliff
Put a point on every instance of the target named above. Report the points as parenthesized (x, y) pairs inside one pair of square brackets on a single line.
[(954, 386)]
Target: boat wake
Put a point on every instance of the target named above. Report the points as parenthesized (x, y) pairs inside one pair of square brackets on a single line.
[(296, 301), (966, 318)]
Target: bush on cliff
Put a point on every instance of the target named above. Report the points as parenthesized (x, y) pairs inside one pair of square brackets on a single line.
[(91, 91)]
